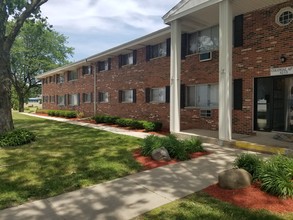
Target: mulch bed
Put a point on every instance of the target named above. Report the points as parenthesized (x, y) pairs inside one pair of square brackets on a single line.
[(149, 163), (251, 197)]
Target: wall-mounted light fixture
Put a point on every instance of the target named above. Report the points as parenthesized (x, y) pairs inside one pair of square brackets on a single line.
[(283, 58)]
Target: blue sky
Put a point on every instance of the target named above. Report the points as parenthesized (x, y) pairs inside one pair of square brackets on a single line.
[(93, 26)]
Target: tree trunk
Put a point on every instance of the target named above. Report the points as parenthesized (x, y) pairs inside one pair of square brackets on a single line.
[(6, 122), (20, 103)]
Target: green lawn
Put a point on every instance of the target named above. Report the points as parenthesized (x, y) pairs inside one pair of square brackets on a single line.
[(63, 158), (202, 206)]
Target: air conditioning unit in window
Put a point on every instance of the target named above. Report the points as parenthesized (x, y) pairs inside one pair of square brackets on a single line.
[(205, 56)]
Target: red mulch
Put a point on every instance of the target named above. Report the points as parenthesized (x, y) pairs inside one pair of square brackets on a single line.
[(149, 163), (251, 197)]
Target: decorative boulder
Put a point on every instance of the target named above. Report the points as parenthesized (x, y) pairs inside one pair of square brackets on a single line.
[(234, 179), (161, 154)]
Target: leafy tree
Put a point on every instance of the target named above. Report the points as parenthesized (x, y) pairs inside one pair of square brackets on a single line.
[(19, 11), (36, 49)]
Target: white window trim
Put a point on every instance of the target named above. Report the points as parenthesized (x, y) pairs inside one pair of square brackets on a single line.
[(164, 95), (277, 17)]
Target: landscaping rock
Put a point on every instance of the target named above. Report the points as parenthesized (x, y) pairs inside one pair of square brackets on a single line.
[(161, 154), (235, 179)]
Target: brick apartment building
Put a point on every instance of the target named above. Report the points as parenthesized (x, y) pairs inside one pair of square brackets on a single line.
[(221, 65)]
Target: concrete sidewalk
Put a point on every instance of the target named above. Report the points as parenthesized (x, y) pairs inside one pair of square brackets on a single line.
[(132, 195)]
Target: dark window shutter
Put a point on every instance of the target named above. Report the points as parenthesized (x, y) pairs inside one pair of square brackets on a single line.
[(120, 96), (182, 95), (147, 92), (98, 97), (238, 31), (83, 97), (167, 94), (78, 99), (134, 57), (57, 99), (91, 94), (168, 42), (84, 70), (119, 61), (65, 99), (134, 95), (109, 63), (238, 96), (148, 53), (184, 43)]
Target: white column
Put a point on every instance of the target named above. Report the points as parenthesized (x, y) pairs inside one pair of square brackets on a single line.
[(175, 70), (225, 71)]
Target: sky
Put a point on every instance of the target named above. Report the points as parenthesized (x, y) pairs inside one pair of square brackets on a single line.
[(93, 26)]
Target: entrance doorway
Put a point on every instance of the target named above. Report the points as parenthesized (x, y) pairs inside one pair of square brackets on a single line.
[(274, 104)]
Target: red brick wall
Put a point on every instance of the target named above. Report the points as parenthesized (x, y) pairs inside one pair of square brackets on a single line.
[(264, 43)]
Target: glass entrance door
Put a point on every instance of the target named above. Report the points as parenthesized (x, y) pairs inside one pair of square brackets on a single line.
[(274, 104)]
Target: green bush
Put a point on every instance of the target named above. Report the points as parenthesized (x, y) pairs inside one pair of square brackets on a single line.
[(42, 111), (149, 144), (105, 119), (62, 113), (16, 137), (152, 126), (249, 162), (177, 149), (128, 122), (276, 176)]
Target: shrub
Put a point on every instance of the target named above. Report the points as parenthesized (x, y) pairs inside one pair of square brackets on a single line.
[(110, 119), (149, 144), (128, 122), (249, 162), (276, 176), (69, 114), (152, 126), (193, 145), (177, 149), (16, 137), (42, 111)]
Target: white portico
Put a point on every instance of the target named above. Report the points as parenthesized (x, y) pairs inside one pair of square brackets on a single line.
[(194, 15)]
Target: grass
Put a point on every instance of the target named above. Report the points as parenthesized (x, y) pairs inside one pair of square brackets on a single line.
[(63, 158), (202, 206)]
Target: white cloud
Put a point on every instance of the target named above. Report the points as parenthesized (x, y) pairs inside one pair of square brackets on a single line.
[(119, 20)]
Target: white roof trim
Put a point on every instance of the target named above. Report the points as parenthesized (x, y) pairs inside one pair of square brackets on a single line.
[(185, 8), (113, 51)]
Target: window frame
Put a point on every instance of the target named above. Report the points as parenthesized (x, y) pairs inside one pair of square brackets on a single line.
[(208, 88), (103, 65), (103, 97), (198, 38), (61, 103), (281, 13), (123, 97), (73, 99), (155, 50), (60, 78), (87, 97), (152, 100), (72, 75)]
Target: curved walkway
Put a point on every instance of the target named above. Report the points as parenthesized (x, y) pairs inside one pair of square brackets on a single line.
[(130, 196)]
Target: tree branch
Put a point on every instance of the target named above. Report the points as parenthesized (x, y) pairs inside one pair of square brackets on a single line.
[(29, 9)]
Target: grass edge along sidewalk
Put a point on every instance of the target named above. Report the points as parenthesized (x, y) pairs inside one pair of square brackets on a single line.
[(63, 158)]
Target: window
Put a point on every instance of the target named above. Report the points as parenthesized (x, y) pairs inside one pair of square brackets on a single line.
[(127, 96), (86, 70), (61, 100), (60, 78), (202, 96), (203, 41), (50, 79), (73, 99), (52, 99), (103, 97), (72, 75), (158, 50), (127, 59), (284, 16), (103, 65), (87, 97), (158, 95)]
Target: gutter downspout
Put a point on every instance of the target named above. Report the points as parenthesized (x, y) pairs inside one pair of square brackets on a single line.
[(95, 90)]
